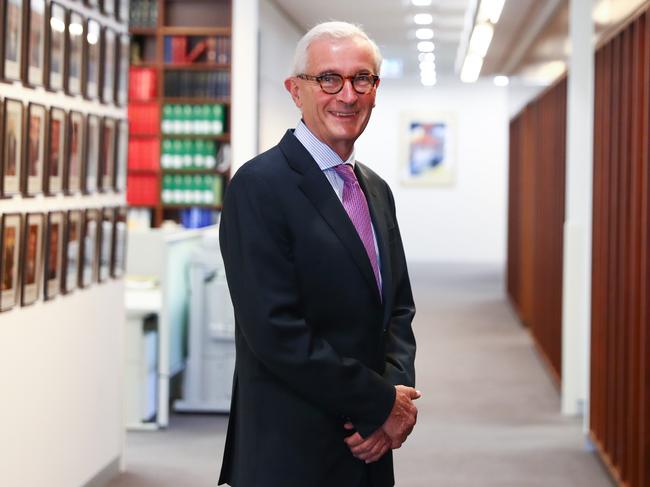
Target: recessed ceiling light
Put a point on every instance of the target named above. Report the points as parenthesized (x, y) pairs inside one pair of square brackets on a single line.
[(423, 19), (426, 56), (425, 66), (501, 80), (421, 3), (425, 46), (424, 33)]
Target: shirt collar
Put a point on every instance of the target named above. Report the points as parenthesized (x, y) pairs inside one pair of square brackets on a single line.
[(323, 154)]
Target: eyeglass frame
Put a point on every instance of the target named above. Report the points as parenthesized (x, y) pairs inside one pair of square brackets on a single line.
[(318, 79)]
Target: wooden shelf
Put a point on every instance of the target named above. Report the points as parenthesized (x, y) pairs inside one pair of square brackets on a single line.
[(196, 31), (196, 101), (196, 66), (143, 31)]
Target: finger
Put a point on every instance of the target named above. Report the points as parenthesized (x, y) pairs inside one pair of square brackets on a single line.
[(377, 455), (364, 448), (354, 440), (348, 426)]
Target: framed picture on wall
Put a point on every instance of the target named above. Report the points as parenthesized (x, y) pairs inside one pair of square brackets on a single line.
[(92, 154), (93, 59), (75, 161), (123, 10), (32, 258), (122, 152), (53, 254), (118, 265), (35, 149), (12, 147), (89, 235), (13, 39), (76, 36), (108, 90), (56, 40), (10, 243), (55, 152), (71, 252), (107, 155), (35, 72), (428, 149), (123, 71), (106, 247), (108, 6)]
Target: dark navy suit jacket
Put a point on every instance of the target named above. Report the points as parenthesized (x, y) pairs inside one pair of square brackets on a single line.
[(316, 343)]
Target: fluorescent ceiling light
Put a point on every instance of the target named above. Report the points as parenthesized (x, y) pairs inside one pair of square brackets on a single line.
[(426, 56), (423, 19), (421, 3), (545, 73), (501, 80), (471, 68), (424, 33), (490, 10), (425, 46), (481, 38)]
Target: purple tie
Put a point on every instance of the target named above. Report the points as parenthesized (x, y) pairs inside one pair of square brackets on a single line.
[(356, 206)]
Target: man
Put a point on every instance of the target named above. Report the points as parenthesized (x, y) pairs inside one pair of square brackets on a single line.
[(324, 377)]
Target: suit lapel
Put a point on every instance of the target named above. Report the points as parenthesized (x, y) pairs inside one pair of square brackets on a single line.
[(317, 188)]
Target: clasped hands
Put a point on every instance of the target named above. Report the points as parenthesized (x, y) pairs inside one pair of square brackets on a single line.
[(392, 433)]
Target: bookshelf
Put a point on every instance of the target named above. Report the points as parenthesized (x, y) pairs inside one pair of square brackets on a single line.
[(179, 106)]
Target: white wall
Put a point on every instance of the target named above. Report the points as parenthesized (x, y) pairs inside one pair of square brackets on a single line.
[(278, 39), (465, 222)]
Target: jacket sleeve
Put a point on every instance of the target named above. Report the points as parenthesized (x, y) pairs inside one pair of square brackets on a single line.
[(256, 246), (400, 343)]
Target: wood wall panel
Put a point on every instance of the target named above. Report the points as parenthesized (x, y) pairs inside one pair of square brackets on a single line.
[(536, 219), (620, 347)]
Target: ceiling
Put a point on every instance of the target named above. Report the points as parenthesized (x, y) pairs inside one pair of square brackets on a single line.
[(529, 34)]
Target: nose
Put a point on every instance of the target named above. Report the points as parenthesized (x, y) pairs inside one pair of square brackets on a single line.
[(347, 93)]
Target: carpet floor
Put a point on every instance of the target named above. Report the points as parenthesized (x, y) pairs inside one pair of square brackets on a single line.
[(489, 415)]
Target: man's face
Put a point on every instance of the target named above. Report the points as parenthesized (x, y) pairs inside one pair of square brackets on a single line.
[(337, 119)]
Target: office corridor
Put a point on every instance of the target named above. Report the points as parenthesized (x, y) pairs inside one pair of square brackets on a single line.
[(489, 415)]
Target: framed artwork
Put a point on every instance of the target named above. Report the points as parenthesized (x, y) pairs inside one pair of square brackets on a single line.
[(75, 41), (75, 162), (108, 6), (53, 254), (92, 154), (118, 265), (35, 149), (32, 257), (107, 155), (93, 59), (122, 152), (13, 39), (57, 33), (123, 10), (428, 149), (71, 252), (55, 152), (89, 239), (106, 245), (10, 243), (13, 147), (123, 71), (35, 43), (108, 78)]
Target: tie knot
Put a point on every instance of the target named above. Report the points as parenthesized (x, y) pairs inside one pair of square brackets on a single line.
[(346, 172)]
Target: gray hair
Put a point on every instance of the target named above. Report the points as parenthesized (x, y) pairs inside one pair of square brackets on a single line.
[(335, 30)]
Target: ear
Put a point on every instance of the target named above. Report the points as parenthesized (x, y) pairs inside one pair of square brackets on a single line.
[(292, 87)]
